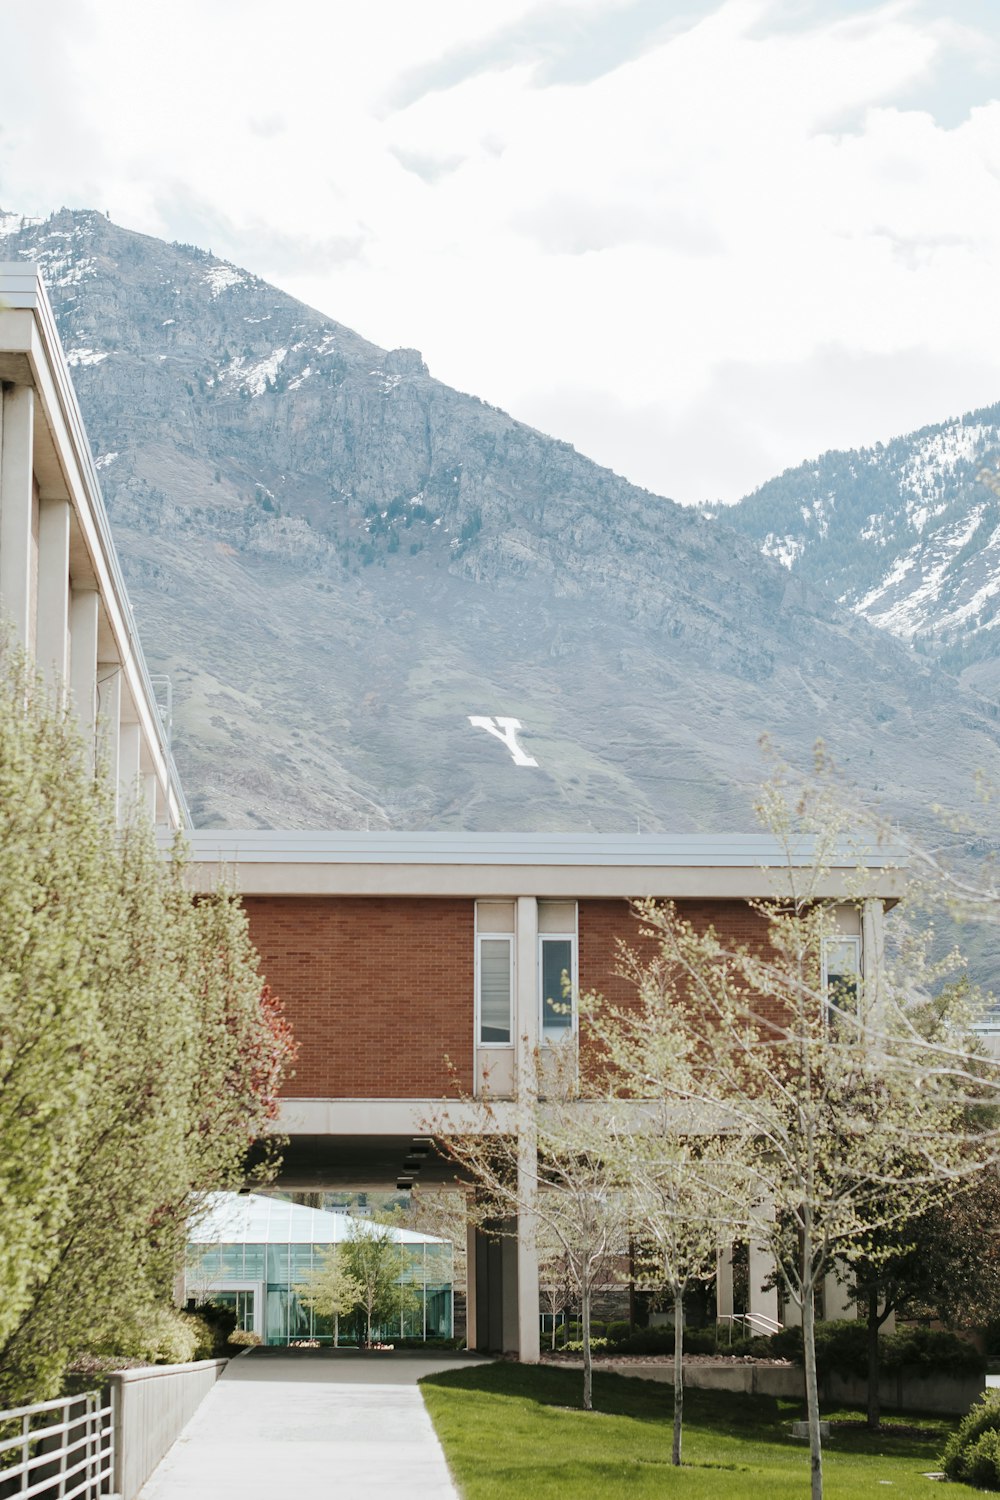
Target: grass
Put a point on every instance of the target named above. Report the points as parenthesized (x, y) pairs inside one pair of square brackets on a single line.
[(510, 1431)]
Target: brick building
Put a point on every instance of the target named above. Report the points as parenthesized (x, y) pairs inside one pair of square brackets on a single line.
[(418, 966)]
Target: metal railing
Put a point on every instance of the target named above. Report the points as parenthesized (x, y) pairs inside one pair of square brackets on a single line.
[(752, 1322), (57, 1450)]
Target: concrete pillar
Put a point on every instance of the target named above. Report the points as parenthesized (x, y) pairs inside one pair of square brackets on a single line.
[(109, 708), (762, 1268), (509, 1307), (150, 795), (471, 1286), (83, 621), (872, 951), (129, 747), (52, 606), (16, 501), (836, 1302), (528, 1324), (724, 1283), (526, 1019)]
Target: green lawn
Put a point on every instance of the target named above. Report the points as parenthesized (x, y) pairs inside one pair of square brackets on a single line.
[(516, 1431)]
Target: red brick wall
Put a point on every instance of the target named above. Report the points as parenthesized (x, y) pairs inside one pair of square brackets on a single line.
[(378, 991), (601, 922)]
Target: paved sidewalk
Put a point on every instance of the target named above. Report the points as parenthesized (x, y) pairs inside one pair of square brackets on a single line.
[(347, 1426)]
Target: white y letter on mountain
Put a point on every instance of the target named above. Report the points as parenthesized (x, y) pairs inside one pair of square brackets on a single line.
[(505, 730)]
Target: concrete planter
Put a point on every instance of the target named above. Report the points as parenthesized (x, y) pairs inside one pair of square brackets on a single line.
[(949, 1395)]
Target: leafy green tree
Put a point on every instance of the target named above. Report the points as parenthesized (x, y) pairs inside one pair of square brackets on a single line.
[(138, 1055), (330, 1290), (377, 1264)]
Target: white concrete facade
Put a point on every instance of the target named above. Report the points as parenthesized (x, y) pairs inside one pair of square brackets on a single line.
[(61, 587)]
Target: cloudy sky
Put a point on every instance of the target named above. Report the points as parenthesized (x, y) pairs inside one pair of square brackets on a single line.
[(702, 241)]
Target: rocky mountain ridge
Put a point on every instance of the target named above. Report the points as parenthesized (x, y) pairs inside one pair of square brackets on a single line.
[(906, 534), (339, 560)]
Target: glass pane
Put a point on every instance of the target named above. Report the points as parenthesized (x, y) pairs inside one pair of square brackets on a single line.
[(557, 970), (842, 974), (494, 991)]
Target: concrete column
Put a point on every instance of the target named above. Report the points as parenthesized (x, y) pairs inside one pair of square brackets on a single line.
[(836, 1302), (52, 608), (109, 708), (129, 746), (762, 1268), (471, 1286), (150, 795), (872, 951), (83, 621), (16, 500), (510, 1321), (526, 1020), (724, 1283), (528, 1326)]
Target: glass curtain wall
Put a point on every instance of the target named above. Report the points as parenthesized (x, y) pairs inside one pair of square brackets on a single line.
[(281, 1268)]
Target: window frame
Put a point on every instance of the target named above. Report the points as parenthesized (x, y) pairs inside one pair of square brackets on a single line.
[(548, 1038), (827, 942), (495, 937)]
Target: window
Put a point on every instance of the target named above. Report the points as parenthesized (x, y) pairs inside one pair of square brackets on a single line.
[(495, 989), (557, 983), (841, 974)]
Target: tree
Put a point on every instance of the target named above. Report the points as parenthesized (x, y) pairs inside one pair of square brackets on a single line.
[(680, 1186), (330, 1289), (843, 1117), (377, 1264), (945, 1262), (546, 1165), (138, 1057)]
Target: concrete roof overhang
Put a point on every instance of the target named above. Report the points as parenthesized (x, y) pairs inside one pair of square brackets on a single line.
[(555, 866)]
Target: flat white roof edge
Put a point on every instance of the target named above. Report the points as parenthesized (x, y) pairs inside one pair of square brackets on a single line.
[(708, 851)]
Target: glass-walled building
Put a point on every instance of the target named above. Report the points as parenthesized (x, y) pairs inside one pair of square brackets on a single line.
[(253, 1252)]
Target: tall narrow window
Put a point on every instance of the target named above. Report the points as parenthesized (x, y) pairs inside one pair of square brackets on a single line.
[(496, 969), (556, 982), (841, 975)]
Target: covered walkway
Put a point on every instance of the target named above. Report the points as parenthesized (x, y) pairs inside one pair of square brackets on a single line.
[(315, 1425)]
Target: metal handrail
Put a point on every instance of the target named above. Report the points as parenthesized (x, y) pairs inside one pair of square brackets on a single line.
[(756, 1322), (69, 1458)]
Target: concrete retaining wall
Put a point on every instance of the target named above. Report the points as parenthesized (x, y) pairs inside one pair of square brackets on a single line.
[(152, 1408), (948, 1394)]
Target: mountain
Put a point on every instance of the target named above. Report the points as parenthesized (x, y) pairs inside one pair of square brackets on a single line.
[(338, 560), (906, 534)]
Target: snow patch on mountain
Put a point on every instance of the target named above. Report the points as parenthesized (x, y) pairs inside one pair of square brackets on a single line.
[(220, 278), (251, 376), (85, 356)]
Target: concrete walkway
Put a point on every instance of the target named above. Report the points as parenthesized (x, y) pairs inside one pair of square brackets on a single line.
[(344, 1425)]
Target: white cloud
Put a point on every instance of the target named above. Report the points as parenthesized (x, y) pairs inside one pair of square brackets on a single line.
[(701, 253)]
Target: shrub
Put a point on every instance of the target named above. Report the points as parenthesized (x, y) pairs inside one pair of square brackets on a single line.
[(975, 1445), (597, 1330), (617, 1332), (159, 1336), (575, 1346), (842, 1349), (221, 1320), (243, 1338)]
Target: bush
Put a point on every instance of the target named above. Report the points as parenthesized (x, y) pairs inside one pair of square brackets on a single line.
[(972, 1453), (160, 1336), (618, 1332), (221, 1320), (842, 1349), (243, 1338), (575, 1346), (597, 1330)]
